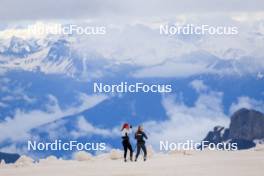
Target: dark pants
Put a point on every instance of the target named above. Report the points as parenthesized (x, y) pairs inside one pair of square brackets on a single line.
[(127, 145), (143, 147)]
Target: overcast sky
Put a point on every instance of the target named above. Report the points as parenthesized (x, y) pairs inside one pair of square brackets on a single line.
[(17, 10)]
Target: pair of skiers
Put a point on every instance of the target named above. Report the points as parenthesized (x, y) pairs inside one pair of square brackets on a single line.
[(139, 136)]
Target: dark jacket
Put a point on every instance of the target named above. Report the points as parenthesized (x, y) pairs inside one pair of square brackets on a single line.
[(140, 136), (126, 137)]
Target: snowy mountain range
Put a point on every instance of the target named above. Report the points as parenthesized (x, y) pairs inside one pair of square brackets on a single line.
[(56, 55)]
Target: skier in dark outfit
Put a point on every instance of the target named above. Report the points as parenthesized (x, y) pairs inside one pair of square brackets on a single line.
[(139, 136), (126, 143)]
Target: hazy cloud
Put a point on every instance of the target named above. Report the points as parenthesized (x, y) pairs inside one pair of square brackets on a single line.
[(198, 85), (247, 102), (19, 126), (72, 9), (85, 128), (188, 122)]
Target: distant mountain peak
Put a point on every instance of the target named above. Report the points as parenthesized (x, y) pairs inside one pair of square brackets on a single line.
[(19, 47)]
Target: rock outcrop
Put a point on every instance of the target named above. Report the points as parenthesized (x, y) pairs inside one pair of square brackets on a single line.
[(245, 127), (9, 157)]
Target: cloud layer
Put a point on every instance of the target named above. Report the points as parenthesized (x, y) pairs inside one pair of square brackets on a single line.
[(18, 127), (188, 122), (247, 102)]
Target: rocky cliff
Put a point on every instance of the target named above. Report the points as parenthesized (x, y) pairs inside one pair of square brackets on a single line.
[(245, 128)]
